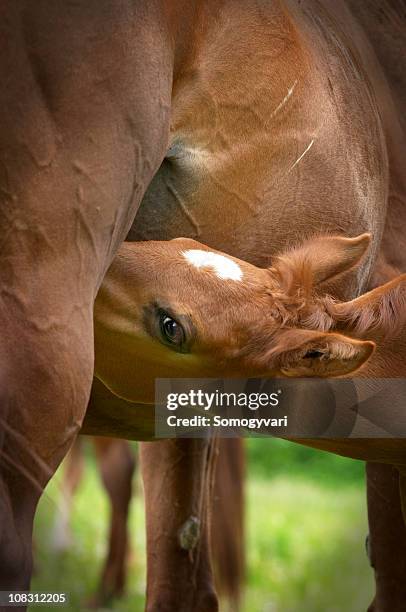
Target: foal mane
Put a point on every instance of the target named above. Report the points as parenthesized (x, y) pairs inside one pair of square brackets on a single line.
[(385, 315), (382, 311)]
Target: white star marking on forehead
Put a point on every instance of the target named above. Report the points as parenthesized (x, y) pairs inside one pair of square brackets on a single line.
[(223, 266)]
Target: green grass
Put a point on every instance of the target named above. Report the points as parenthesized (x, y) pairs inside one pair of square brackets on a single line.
[(273, 457), (306, 526), (306, 548)]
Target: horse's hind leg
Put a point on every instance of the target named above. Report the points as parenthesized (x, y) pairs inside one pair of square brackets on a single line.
[(117, 464), (47, 391), (73, 170), (387, 538)]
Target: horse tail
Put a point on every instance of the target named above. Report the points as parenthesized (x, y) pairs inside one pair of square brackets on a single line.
[(227, 535)]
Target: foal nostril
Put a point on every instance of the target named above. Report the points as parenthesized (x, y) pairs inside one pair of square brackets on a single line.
[(314, 354)]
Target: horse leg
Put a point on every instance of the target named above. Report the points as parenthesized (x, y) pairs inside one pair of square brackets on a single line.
[(387, 538), (178, 478), (40, 415), (74, 467), (117, 464), (75, 160)]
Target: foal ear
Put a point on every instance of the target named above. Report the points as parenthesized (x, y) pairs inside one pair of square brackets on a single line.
[(306, 354), (319, 260)]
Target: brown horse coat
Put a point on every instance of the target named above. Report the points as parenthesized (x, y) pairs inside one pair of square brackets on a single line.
[(277, 121)]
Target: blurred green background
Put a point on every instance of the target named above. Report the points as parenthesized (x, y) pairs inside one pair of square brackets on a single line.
[(306, 527)]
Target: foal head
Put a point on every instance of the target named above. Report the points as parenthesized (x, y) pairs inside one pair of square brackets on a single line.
[(181, 309)]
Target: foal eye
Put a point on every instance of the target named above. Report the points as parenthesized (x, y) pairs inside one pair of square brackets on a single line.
[(172, 332)]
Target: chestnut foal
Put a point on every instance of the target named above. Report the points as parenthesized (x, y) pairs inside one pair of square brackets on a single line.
[(279, 321)]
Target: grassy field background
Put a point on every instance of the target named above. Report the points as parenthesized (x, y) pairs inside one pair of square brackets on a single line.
[(306, 527)]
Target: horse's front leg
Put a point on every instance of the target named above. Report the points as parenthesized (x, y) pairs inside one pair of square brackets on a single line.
[(387, 538), (178, 478)]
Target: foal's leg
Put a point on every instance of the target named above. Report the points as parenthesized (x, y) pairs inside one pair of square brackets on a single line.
[(117, 464), (177, 482), (387, 538)]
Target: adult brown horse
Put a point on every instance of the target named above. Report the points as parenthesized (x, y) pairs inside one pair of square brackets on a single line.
[(278, 122)]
